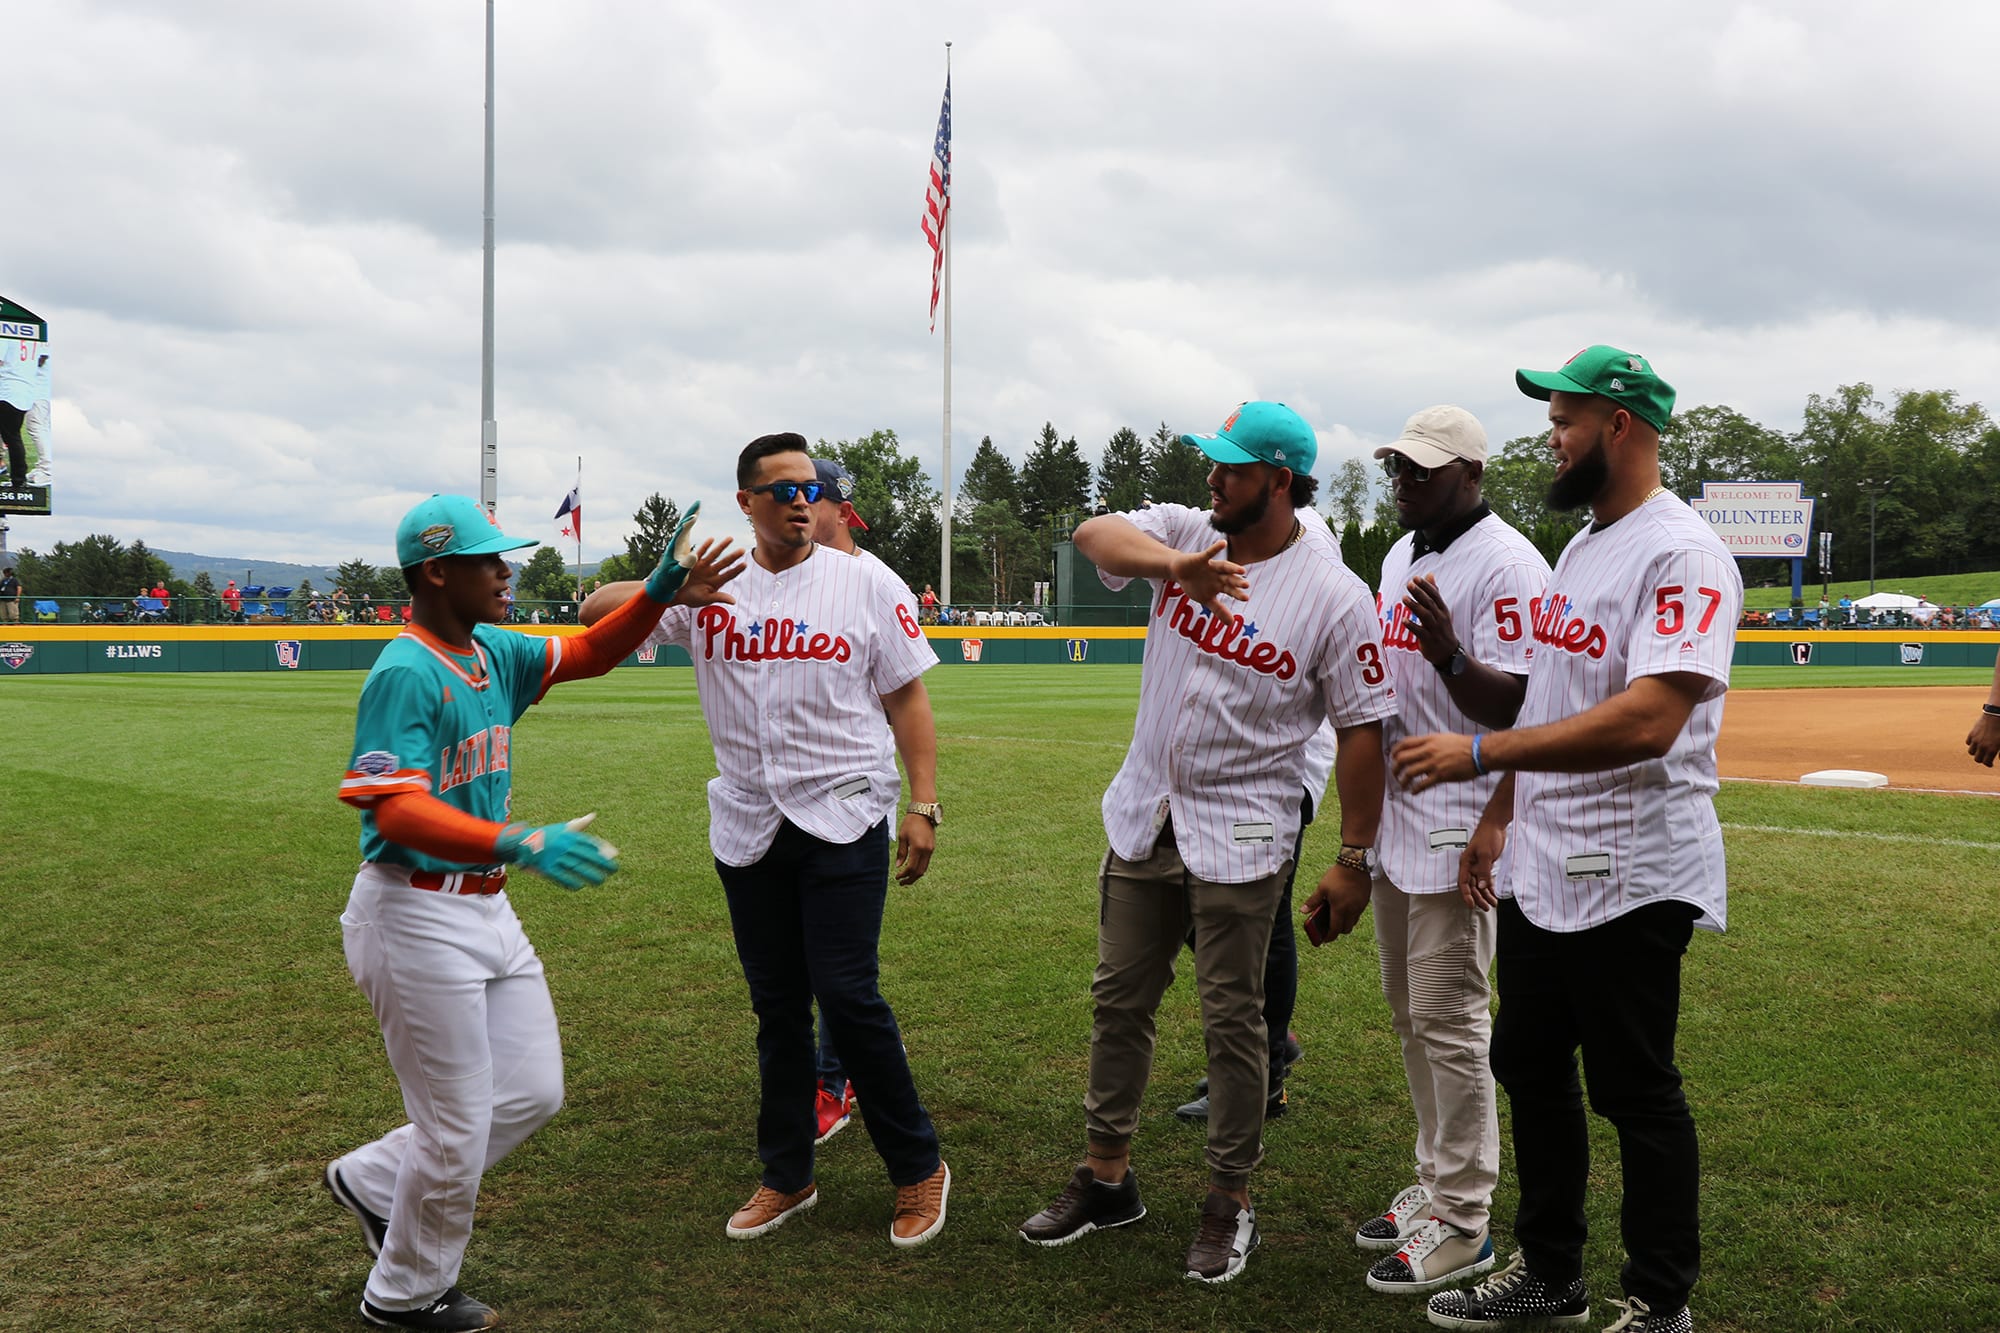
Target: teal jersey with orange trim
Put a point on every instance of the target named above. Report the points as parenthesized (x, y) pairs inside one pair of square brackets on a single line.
[(439, 721)]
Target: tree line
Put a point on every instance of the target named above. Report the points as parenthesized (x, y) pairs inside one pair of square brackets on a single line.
[(1929, 460)]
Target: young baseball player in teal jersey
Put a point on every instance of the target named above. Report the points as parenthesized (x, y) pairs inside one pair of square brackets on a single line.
[(430, 935)]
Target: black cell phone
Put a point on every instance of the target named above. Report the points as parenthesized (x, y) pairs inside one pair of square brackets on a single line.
[(1319, 926)]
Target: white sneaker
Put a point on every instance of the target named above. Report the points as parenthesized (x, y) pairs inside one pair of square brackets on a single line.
[(1437, 1254), (1405, 1213)]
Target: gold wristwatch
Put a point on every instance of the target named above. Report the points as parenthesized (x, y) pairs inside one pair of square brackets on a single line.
[(930, 810)]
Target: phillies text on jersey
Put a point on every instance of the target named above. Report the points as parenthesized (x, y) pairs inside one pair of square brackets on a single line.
[(1654, 593), (1226, 707), (791, 679), (1491, 578)]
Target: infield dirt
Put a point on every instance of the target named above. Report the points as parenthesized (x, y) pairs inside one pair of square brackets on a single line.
[(1915, 736)]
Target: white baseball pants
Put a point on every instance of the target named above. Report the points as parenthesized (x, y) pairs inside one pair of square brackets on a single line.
[(471, 1033), (1437, 955)]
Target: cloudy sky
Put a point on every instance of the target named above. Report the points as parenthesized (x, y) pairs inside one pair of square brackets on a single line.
[(255, 230)]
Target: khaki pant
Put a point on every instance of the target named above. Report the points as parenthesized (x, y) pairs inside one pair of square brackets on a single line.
[(1436, 954), (10, 609), (1144, 911)]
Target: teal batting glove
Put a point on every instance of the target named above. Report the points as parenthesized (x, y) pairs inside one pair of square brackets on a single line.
[(563, 853), (676, 560)]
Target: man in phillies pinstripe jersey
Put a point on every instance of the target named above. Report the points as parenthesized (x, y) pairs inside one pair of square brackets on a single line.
[(1204, 814), (1461, 569), (1615, 854), (430, 935), (795, 680)]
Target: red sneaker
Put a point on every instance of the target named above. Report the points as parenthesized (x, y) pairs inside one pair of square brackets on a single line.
[(834, 1112)]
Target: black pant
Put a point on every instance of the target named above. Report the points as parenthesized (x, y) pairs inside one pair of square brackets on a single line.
[(1615, 991), (808, 922), (11, 418)]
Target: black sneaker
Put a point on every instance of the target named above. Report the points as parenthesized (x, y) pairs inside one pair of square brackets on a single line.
[(1637, 1317), (1512, 1298), (373, 1226), (1294, 1050), (453, 1312), (1086, 1204), (1223, 1241)]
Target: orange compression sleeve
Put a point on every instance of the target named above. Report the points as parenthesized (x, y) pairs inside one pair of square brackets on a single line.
[(606, 644), (425, 824)]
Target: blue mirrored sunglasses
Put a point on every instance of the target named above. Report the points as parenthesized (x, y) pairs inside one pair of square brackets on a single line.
[(785, 491)]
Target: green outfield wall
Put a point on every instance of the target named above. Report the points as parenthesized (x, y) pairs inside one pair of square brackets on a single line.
[(31, 650)]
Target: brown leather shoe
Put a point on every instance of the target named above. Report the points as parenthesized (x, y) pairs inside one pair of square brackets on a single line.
[(767, 1211), (920, 1209)]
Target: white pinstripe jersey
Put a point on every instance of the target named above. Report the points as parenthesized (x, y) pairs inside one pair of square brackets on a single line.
[(1225, 710), (791, 679), (1490, 576), (1653, 594)]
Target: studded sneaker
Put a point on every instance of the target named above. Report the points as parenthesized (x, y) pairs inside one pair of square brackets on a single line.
[(1223, 1240), (768, 1210), (1437, 1254), (453, 1312), (1086, 1204), (1512, 1298), (1405, 1213), (1637, 1317)]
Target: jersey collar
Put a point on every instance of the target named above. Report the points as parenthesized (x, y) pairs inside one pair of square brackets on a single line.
[(457, 661), (1451, 531)]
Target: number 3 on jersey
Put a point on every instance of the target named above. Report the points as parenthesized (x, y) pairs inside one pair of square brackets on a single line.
[(1372, 670), (1671, 609)]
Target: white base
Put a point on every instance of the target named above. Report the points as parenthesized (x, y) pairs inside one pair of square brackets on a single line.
[(1844, 777)]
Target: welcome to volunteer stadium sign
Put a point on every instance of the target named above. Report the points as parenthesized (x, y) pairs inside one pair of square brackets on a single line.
[(1764, 520)]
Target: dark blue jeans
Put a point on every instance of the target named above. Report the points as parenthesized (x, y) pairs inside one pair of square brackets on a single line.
[(1615, 992), (831, 1076), (807, 919)]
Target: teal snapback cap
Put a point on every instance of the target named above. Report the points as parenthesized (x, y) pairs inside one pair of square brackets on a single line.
[(1606, 372), (1259, 432), (450, 525)]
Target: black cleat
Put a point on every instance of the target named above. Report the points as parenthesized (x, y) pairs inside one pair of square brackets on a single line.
[(373, 1227), (453, 1312)]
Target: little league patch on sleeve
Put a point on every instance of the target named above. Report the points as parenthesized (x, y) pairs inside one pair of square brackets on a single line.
[(377, 764)]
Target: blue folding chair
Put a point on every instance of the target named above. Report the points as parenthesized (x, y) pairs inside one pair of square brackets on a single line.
[(48, 611), (278, 596)]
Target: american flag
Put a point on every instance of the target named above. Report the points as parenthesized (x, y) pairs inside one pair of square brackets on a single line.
[(569, 518), (937, 199)]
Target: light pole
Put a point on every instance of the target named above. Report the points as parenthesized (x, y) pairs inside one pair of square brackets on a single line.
[(1874, 488)]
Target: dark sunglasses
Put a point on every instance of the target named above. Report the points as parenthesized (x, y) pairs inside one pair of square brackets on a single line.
[(785, 491), (1395, 465)]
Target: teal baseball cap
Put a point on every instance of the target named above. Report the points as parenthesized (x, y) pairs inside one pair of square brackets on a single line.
[(1606, 372), (1258, 432), (450, 525)]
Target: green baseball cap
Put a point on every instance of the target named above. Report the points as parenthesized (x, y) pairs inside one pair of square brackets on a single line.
[(1262, 433), (1606, 372), (450, 525)]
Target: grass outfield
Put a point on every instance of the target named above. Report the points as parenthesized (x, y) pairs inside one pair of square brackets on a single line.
[(184, 1049)]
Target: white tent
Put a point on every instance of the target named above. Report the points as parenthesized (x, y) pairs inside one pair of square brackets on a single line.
[(1887, 601)]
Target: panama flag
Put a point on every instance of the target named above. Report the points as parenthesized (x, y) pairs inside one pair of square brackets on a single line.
[(569, 518)]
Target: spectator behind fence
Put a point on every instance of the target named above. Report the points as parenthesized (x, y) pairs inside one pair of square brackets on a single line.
[(232, 601), (10, 595)]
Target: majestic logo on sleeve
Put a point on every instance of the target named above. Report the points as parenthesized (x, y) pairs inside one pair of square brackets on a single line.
[(770, 640), (1555, 626), (1233, 640)]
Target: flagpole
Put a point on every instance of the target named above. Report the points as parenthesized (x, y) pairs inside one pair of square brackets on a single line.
[(489, 430), (944, 243), (578, 524)]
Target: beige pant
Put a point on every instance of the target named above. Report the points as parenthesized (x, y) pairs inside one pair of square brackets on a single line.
[(1436, 956), (1144, 911)]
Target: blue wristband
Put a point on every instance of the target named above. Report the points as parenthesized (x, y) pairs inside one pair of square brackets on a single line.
[(1477, 767)]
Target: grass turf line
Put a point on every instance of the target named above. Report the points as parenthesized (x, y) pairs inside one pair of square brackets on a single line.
[(184, 1048)]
